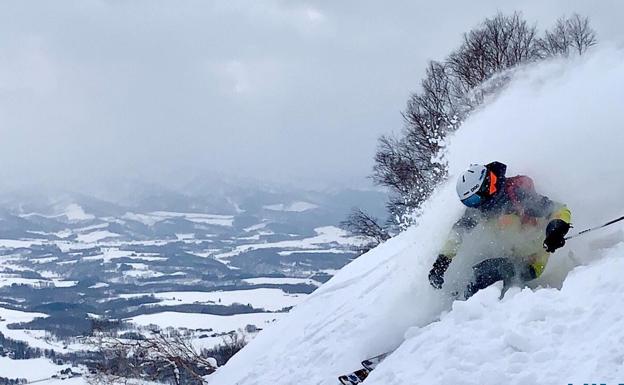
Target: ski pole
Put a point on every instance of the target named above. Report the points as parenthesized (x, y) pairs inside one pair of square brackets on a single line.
[(594, 228)]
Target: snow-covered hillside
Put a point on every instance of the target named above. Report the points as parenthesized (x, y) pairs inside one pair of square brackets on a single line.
[(558, 122)]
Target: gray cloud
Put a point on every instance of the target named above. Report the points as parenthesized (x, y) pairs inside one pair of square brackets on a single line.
[(278, 90)]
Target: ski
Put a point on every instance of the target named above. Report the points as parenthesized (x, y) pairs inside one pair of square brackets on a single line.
[(354, 378), (360, 375), (372, 363)]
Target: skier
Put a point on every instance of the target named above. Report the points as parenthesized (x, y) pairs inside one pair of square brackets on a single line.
[(498, 203)]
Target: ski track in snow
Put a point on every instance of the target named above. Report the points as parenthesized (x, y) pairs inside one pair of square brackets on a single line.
[(542, 125)]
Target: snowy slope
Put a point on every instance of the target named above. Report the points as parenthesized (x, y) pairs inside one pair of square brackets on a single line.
[(559, 123), (545, 336)]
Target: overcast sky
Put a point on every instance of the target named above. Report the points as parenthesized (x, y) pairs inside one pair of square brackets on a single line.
[(291, 91)]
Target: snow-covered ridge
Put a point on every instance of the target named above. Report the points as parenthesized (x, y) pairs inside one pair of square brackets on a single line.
[(152, 218), (542, 125), (293, 207), (72, 212)]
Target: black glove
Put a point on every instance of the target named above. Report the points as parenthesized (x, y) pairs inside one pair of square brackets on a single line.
[(489, 272), (555, 234), (436, 275)]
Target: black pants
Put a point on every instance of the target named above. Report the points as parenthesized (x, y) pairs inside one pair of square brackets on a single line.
[(493, 270)]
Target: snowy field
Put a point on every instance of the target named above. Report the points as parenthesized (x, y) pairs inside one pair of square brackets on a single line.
[(268, 299), (218, 323), (104, 242), (280, 281), (34, 338), (95, 236), (556, 332), (32, 370), (293, 207), (160, 216), (10, 279), (324, 235)]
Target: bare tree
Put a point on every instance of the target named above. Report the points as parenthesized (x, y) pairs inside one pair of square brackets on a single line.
[(411, 165), (556, 41), (408, 164), (157, 357), (232, 344), (573, 33), (437, 98), (364, 225), (582, 36), (395, 166), (497, 44)]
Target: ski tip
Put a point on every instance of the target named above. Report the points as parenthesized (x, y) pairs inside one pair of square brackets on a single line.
[(371, 363)]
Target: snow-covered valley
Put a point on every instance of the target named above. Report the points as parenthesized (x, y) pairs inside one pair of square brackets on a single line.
[(65, 271)]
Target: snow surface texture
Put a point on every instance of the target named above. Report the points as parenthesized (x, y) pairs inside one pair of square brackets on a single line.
[(558, 122), (543, 337)]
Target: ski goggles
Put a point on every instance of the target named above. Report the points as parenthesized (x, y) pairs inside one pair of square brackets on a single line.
[(487, 190), (475, 200)]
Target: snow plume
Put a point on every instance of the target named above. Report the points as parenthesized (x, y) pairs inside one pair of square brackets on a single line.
[(560, 123), (557, 122)]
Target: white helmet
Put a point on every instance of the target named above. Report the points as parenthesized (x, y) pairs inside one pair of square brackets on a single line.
[(470, 184)]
